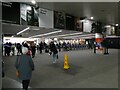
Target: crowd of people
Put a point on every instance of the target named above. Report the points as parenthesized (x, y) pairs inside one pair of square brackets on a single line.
[(24, 64), (25, 52), (9, 48)]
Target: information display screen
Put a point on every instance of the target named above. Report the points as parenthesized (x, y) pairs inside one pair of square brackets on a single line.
[(59, 20), (11, 12), (70, 20)]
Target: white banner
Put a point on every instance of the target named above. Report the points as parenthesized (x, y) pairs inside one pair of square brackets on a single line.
[(45, 18)]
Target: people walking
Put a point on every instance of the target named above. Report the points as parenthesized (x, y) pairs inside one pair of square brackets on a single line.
[(105, 45), (13, 49), (25, 66), (33, 50), (19, 49), (54, 52), (41, 47), (94, 47)]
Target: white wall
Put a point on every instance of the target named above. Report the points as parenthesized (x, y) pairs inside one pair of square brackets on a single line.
[(45, 18), (108, 30), (87, 26)]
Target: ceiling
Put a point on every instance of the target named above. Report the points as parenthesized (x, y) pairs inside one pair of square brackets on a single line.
[(67, 34), (107, 12), (63, 0)]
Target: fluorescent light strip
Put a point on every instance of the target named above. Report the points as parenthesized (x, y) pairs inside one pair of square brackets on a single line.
[(46, 34), (80, 36), (65, 35), (112, 36), (23, 30)]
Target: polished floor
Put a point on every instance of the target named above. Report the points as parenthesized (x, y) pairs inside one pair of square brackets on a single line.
[(87, 70)]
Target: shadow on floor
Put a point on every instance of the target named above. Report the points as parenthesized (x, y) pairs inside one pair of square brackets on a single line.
[(73, 70)]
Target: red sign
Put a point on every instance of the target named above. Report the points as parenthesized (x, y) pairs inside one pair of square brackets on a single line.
[(99, 39)]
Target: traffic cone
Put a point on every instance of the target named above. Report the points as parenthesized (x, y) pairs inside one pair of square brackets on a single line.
[(66, 66)]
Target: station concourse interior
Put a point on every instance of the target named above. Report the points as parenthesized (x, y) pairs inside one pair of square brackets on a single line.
[(86, 36)]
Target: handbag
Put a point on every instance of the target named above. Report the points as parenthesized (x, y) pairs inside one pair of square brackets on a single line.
[(17, 71)]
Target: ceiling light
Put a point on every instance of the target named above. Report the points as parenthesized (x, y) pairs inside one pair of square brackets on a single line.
[(46, 34), (66, 35), (82, 20), (87, 35), (107, 26), (91, 17), (116, 24), (28, 8), (33, 1), (23, 30), (36, 29)]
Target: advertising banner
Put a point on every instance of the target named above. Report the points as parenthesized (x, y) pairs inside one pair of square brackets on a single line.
[(29, 15), (11, 12), (78, 24), (45, 18), (87, 26), (59, 20)]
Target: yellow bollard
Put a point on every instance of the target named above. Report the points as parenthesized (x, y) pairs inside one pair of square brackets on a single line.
[(66, 66)]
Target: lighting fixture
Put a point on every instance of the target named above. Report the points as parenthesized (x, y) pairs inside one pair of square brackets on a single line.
[(116, 24), (23, 30), (36, 29), (33, 1), (88, 35), (82, 20), (28, 8), (46, 34), (107, 26), (66, 35), (91, 17)]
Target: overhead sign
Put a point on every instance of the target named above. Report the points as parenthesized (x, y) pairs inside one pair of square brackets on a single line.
[(29, 15), (45, 18), (11, 12), (59, 20), (70, 22), (78, 24)]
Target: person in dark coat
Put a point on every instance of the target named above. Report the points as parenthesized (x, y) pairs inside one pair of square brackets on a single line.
[(33, 50), (25, 66), (94, 47), (41, 47), (13, 49), (54, 52), (19, 49), (6, 47), (50, 47), (105, 45)]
